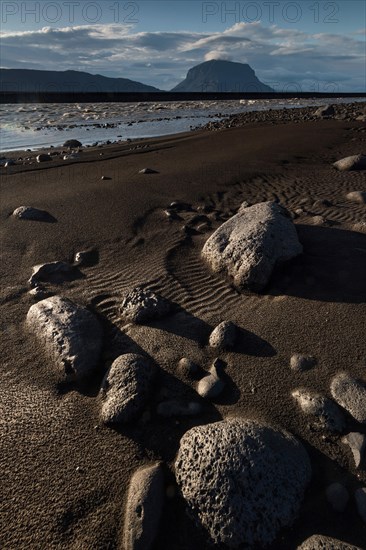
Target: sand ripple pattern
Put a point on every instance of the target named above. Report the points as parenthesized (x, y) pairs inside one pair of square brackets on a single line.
[(160, 256)]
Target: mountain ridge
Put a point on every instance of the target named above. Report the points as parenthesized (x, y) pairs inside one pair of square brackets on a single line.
[(219, 75), (34, 80)]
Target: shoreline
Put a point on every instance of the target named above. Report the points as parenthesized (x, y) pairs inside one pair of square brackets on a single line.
[(343, 111), (66, 474)]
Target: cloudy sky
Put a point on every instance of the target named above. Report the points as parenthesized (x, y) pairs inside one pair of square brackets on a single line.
[(303, 45)]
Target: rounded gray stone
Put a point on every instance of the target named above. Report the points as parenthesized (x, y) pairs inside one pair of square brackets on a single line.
[(299, 362), (141, 304), (350, 394), (248, 246), (357, 196), (43, 158), (72, 143), (71, 335), (144, 504), (31, 213), (211, 385), (187, 367), (52, 271), (355, 162), (223, 336), (357, 444), (326, 111), (125, 388), (321, 542), (148, 171), (242, 480), (326, 414)]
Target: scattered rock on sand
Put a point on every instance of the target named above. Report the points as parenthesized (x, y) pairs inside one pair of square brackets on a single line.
[(299, 362), (187, 367), (31, 213), (86, 257), (337, 496), (180, 206), (242, 480), (325, 112), (141, 304), (357, 196), (327, 415), (355, 162), (144, 504), (318, 220), (72, 143), (43, 158), (360, 497), (357, 443), (71, 156), (248, 246), (350, 394), (126, 387), (53, 272), (39, 293), (223, 336), (148, 171), (211, 385), (321, 542), (178, 408), (71, 334)]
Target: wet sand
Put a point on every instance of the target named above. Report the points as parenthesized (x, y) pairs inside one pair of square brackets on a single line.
[(65, 475)]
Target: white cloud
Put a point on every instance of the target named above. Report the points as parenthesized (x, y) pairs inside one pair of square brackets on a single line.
[(162, 58)]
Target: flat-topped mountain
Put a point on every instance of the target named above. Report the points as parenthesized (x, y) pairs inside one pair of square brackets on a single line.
[(29, 80), (221, 76)]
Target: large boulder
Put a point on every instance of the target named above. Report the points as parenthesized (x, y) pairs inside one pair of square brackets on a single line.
[(248, 246), (126, 387), (242, 480), (71, 335), (144, 506)]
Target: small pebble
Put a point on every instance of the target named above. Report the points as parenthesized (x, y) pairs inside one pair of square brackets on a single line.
[(148, 171), (357, 444), (211, 385), (223, 336), (299, 362), (187, 367), (43, 158)]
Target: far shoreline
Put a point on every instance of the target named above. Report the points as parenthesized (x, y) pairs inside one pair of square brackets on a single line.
[(282, 115), (14, 97)]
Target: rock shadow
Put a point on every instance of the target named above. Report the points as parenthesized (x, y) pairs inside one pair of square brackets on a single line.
[(332, 267), (184, 324), (248, 343), (158, 436), (317, 517)]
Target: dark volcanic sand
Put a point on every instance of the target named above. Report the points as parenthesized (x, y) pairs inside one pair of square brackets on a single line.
[(64, 474)]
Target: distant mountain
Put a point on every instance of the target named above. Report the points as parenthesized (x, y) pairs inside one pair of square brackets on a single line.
[(221, 76), (29, 80)]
